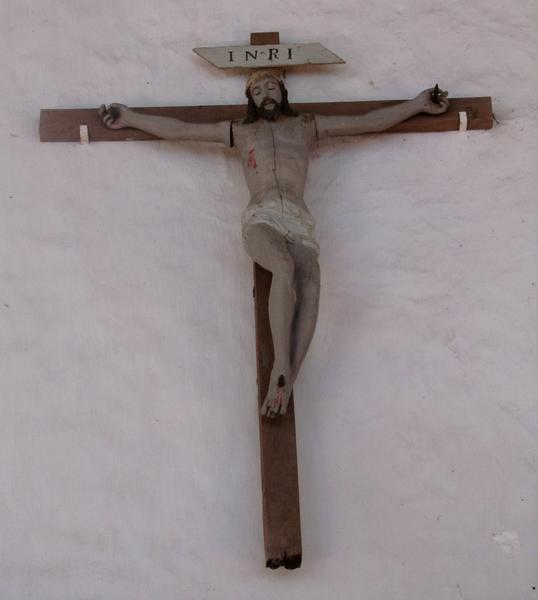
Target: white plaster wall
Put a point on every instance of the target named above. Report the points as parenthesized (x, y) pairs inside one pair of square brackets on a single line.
[(129, 458)]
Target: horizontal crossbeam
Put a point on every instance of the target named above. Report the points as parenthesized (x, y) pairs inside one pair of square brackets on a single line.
[(63, 125)]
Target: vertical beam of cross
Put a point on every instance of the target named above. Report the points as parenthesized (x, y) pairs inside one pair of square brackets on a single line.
[(280, 484)]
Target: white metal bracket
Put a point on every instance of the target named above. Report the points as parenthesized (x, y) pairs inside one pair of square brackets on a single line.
[(84, 135), (463, 120)]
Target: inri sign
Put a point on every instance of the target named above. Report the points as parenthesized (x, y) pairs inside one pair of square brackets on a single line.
[(268, 55)]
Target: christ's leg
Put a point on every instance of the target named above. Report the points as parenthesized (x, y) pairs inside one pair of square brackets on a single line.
[(268, 248), (307, 285)]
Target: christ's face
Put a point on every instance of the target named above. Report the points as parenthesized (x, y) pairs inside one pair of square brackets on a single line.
[(267, 97)]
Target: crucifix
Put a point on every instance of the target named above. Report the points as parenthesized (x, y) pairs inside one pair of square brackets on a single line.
[(273, 139)]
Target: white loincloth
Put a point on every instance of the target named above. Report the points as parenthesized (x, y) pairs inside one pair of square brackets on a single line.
[(293, 222)]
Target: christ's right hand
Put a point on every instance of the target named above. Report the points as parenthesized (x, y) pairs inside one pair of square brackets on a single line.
[(115, 116)]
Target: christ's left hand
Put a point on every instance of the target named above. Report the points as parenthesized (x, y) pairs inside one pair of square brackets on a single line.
[(426, 104)]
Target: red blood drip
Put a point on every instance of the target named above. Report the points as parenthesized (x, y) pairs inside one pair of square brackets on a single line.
[(251, 159)]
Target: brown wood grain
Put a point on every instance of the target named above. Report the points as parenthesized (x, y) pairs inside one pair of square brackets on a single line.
[(280, 485), (259, 38), (62, 125)]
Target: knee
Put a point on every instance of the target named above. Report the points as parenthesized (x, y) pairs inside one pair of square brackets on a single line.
[(268, 248), (283, 269)]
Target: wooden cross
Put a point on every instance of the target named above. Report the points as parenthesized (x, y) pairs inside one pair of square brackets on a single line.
[(280, 488)]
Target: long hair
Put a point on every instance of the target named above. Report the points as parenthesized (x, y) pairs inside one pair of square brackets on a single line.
[(252, 109)]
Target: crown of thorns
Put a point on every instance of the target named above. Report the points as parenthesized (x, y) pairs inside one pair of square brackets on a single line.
[(257, 75)]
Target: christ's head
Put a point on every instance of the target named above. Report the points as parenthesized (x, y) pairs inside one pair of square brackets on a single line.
[(267, 97)]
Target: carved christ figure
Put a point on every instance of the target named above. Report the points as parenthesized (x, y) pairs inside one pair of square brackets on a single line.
[(277, 229)]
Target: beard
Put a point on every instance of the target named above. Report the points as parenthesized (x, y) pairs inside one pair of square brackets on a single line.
[(271, 114)]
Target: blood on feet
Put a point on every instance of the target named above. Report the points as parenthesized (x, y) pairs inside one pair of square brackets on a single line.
[(276, 401)]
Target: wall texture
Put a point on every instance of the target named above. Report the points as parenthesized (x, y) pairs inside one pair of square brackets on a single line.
[(129, 458)]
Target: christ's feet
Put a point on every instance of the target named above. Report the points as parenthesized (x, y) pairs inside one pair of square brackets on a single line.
[(278, 396)]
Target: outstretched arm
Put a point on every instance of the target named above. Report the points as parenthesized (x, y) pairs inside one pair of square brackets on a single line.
[(383, 118), (118, 116)]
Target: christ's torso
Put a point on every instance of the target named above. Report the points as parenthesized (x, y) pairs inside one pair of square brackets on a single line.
[(274, 155)]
